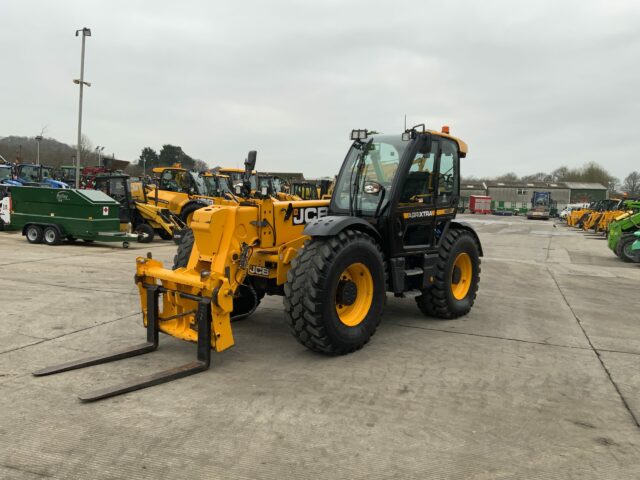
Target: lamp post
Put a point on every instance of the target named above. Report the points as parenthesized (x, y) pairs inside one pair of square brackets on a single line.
[(85, 33), (99, 150), (38, 138)]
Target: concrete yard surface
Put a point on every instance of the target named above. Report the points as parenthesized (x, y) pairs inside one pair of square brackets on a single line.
[(540, 380)]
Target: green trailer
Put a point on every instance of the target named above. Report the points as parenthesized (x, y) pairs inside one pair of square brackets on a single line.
[(52, 215)]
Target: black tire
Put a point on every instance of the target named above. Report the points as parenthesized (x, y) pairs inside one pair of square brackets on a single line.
[(245, 302), (34, 234), (438, 300), (188, 210), (181, 258), (623, 249), (87, 240), (145, 233), (164, 235), (246, 298), (312, 284), (51, 236)]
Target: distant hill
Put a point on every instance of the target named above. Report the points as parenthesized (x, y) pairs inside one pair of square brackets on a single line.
[(52, 152)]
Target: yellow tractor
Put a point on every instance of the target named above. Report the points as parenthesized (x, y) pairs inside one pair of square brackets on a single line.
[(389, 227)]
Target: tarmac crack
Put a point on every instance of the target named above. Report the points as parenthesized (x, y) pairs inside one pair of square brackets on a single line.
[(72, 287), (69, 333), (495, 337), (107, 252), (25, 470), (595, 350)]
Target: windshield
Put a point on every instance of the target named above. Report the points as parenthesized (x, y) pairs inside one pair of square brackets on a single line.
[(379, 162), (198, 181), (114, 187), (5, 173), (29, 173), (236, 178), (216, 186)]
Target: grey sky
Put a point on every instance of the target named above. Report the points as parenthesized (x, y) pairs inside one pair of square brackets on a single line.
[(528, 85)]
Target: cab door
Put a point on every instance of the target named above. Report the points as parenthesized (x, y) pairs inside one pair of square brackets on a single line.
[(412, 221), (448, 184)]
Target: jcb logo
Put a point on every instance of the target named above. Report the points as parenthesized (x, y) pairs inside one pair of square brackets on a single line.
[(258, 270), (302, 216)]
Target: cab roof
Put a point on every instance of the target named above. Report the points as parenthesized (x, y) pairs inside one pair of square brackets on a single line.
[(462, 146)]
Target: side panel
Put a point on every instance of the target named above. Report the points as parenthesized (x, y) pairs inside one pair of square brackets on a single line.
[(78, 212)]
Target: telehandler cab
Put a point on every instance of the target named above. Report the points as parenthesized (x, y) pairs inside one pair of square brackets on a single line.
[(389, 227), (184, 191)]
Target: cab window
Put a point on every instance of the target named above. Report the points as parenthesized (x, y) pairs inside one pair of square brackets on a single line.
[(448, 172), (419, 186), (174, 181)]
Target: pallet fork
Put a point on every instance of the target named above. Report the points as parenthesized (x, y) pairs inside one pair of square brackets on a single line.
[(202, 362)]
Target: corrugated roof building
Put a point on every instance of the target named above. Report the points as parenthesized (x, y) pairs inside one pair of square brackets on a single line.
[(512, 195), (582, 192)]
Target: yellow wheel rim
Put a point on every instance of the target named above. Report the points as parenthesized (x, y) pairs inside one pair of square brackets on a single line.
[(463, 265), (189, 218), (358, 275)]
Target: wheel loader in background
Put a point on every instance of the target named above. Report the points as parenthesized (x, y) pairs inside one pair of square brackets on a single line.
[(389, 227)]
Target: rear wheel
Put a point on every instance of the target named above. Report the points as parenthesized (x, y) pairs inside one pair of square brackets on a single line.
[(34, 234), (52, 236), (145, 233), (455, 284), (335, 292)]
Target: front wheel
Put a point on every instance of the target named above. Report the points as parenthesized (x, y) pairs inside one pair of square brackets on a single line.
[(625, 251), (335, 292), (455, 284), (34, 234)]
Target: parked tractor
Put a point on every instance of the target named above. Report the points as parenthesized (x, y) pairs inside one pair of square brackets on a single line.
[(389, 227), (541, 204), (29, 174)]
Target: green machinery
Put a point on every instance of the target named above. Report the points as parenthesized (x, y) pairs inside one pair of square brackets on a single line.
[(621, 233), (635, 246), (52, 215)]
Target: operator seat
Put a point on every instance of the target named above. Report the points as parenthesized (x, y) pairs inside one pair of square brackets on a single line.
[(417, 183)]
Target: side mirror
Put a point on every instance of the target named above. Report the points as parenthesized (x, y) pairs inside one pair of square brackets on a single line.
[(406, 136), (372, 188), (250, 162)]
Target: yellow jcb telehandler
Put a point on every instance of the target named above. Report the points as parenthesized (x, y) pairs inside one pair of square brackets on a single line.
[(389, 227), (184, 191)]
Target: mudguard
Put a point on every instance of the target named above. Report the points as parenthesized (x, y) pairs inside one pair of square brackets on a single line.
[(466, 226), (333, 224)]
